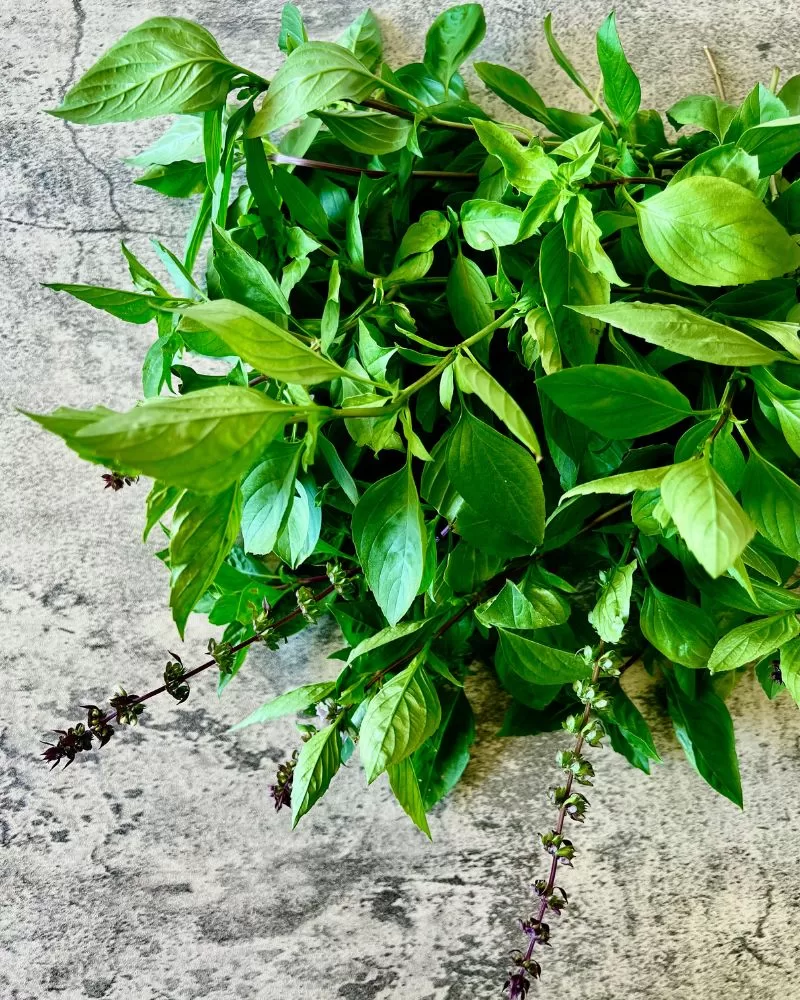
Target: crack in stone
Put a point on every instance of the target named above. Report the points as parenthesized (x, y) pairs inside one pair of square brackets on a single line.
[(80, 21), (87, 230)]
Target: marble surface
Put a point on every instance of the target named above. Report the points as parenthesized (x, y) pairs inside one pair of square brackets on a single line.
[(158, 870)]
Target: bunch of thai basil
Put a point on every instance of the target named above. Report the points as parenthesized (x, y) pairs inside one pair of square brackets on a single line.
[(519, 393)]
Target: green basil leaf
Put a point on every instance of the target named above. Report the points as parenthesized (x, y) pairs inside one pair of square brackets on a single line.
[(166, 66), (683, 331), (389, 535), (705, 731), (204, 528), (527, 608), (132, 307), (774, 143), (619, 403), (683, 632), (760, 105), (423, 235), (404, 783), (244, 279), (263, 344), (625, 482), (772, 500), (442, 759), (621, 87), (513, 89), (398, 719), (540, 664), (183, 140), (729, 162), (386, 635), (160, 499), (610, 614), (753, 641), (471, 377), (509, 490), (267, 491), (786, 334), (373, 133), (707, 112), (319, 760), (180, 179), (526, 167), (710, 231), (450, 39), (627, 717), (488, 224), (290, 703), (202, 441), (567, 281), (469, 296), (711, 522), (558, 54), (790, 668), (299, 535), (314, 75), (583, 239), (363, 38)]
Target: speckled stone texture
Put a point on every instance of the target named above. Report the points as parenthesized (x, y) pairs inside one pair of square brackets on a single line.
[(158, 870)]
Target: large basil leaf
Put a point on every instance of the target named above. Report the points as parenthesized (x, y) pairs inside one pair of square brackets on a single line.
[(363, 38), (202, 441), (488, 224), (772, 500), (389, 535), (683, 331), (753, 641), (165, 66), (451, 38), (774, 143), (621, 87), (471, 377), (442, 759), (319, 760), (132, 307), (245, 279), (314, 75), (263, 344), (508, 493), (289, 703), (619, 403), (705, 731), (540, 664), (610, 614), (513, 89), (683, 632), (523, 607), (711, 522), (526, 167), (710, 231), (567, 281), (267, 492), (705, 111), (373, 133), (404, 783), (204, 528), (469, 296), (399, 718)]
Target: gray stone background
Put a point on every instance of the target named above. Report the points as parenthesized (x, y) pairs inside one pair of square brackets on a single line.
[(158, 869)]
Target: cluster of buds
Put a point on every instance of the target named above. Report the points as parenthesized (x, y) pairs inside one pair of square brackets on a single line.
[(222, 654), (281, 791), (574, 804), (262, 624), (557, 845), (79, 738), (173, 679), (340, 581), (126, 707), (114, 481), (306, 602), (554, 898)]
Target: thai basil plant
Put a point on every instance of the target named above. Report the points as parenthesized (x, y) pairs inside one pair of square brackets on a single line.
[(523, 394)]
